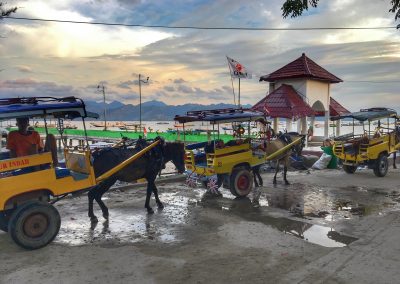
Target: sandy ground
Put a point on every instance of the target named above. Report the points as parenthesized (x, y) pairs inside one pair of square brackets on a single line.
[(326, 227)]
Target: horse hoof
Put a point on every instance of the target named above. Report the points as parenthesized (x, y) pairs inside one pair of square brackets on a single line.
[(287, 183), (94, 219), (150, 210), (105, 216), (274, 182), (160, 206)]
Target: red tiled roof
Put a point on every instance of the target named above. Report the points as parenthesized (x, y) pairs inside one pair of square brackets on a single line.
[(284, 102), (335, 109), (302, 67)]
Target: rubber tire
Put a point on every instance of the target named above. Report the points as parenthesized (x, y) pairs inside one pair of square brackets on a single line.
[(16, 224), (349, 169), (381, 161), (240, 173)]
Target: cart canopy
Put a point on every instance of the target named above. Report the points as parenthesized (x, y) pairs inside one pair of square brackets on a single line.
[(67, 107), (221, 116), (369, 114)]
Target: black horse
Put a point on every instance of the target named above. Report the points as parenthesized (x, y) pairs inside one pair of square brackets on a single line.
[(148, 166)]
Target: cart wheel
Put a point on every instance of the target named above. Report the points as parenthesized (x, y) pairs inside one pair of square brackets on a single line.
[(349, 169), (241, 182), (34, 224), (381, 165)]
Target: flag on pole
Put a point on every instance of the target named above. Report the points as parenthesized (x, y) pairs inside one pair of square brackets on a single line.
[(144, 132), (237, 69)]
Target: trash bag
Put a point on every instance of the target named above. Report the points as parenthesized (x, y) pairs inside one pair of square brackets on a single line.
[(322, 162)]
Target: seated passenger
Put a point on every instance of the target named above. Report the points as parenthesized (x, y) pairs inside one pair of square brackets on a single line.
[(23, 142), (26, 141)]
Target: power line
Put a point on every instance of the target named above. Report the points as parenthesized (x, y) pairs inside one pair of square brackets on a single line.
[(373, 82), (198, 27)]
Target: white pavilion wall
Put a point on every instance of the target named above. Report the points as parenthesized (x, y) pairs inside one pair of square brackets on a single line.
[(300, 85), (318, 91)]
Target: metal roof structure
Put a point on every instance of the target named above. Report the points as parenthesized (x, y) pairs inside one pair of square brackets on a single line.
[(369, 114), (302, 67), (67, 107), (221, 116), (284, 102)]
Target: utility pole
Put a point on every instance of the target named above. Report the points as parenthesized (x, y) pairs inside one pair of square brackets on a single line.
[(140, 100), (104, 102)]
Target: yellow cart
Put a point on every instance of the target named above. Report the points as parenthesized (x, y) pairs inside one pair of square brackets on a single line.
[(371, 147), (30, 185), (216, 163)]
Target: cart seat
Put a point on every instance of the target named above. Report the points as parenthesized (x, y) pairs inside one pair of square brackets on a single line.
[(196, 145), (349, 148), (62, 172)]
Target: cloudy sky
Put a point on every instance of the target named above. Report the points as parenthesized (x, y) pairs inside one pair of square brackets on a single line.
[(184, 65)]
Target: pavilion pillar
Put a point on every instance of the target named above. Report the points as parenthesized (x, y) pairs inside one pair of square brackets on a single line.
[(312, 122), (298, 130), (326, 124), (289, 124), (275, 125), (303, 125), (338, 127)]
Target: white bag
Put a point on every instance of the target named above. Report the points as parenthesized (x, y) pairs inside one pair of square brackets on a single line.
[(322, 162)]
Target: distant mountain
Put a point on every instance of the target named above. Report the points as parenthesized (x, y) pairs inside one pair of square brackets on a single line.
[(151, 110)]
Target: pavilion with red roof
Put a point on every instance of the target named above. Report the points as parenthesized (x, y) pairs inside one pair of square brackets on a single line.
[(298, 90)]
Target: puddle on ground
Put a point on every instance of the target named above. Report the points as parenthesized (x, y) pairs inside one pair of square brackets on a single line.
[(128, 225), (252, 211), (326, 202)]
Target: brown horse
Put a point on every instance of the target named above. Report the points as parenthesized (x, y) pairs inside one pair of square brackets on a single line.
[(282, 140)]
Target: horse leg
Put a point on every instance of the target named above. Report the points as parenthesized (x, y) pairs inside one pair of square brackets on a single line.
[(254, 177), (158, 201), (91, 195), (394, 160), (256, 172), (148, 195), (276, 171), (285, 167), (260, 180), (96, 193)]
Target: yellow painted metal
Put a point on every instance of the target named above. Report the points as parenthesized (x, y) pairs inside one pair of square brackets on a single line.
[(365, 151), (126, 162), (223, 160), (24, 162), (44, 178)]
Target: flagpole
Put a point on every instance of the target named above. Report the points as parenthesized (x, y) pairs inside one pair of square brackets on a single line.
[(233, 87), (239, 94)]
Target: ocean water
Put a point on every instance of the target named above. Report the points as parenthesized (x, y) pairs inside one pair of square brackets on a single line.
[(163, 126)]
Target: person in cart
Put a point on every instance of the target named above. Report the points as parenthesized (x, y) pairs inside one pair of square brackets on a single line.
[(25, 141)]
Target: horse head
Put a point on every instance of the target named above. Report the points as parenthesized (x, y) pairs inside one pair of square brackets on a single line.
[(175, 152), (298, 148)]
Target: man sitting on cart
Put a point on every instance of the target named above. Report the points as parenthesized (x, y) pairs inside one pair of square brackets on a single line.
[(24, 142)]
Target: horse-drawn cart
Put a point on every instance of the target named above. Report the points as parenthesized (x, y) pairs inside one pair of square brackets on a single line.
[(30, 184), (228, 163), (370, 148)]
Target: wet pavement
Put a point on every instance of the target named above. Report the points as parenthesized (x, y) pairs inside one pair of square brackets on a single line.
[(308, 212), (319, 213)]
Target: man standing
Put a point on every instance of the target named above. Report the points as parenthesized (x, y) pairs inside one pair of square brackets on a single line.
[(24, 142)]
